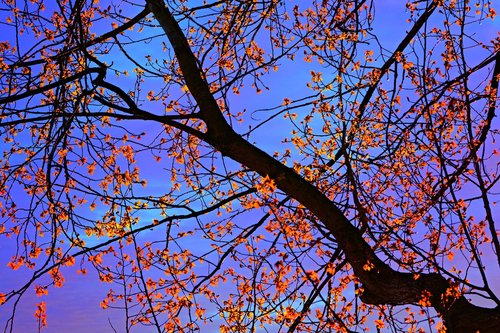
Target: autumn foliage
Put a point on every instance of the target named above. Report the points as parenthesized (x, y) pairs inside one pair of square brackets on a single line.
[(254, 166)]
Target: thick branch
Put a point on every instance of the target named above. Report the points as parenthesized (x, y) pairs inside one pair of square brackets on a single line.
[(382, 284)]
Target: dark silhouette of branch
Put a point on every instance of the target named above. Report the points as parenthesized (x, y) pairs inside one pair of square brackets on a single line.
[(382, 284)]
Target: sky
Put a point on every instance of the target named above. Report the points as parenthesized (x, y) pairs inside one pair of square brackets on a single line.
[(75, 307)]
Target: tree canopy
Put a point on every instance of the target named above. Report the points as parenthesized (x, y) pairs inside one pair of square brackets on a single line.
[(254, 166)]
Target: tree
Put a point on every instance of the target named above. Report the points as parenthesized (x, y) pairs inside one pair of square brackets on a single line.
[(127, 148)]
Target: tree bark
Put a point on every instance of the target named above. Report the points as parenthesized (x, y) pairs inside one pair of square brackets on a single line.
[(381, 284)]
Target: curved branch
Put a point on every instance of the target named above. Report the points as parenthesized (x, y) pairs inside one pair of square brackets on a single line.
[(32, 92), (381, 283), (97, 40)]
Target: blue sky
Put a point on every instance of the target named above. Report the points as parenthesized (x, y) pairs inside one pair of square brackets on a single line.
[(75, 307)]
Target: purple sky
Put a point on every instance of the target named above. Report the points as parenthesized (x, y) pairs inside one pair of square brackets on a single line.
[(75, 307)]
